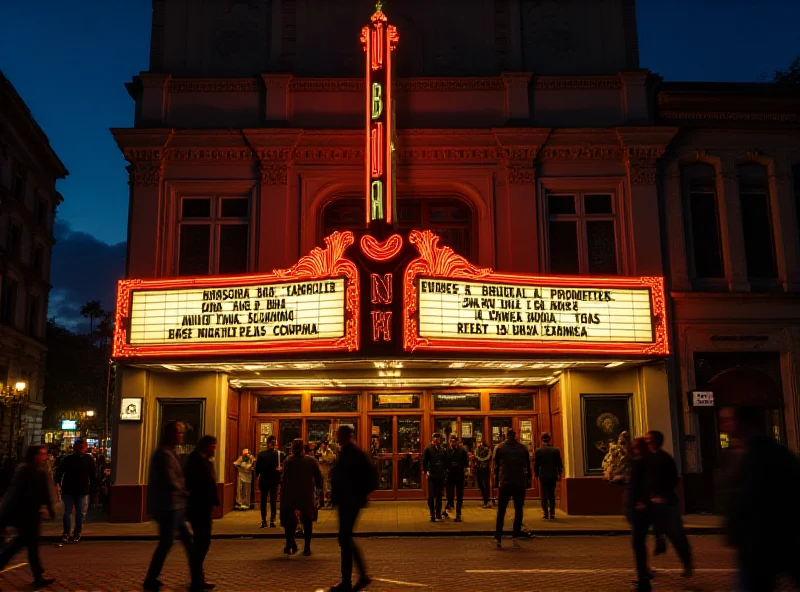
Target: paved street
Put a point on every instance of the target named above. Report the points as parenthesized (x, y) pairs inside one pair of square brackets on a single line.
[(452, 563)]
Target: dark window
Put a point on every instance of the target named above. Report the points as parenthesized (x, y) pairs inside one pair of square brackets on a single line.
[(20, 186), (759, 241), (8, 306), (38, 260), (796, 176), (582, 234), (511, 402), (279, 404), (457, 402), (334, 403), (33, 316), (703, 245), (395, 401), (42, 215), (14, 239), (195, 249), (220, 244)]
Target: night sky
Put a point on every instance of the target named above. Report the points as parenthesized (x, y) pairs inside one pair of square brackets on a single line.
[(70, 60)]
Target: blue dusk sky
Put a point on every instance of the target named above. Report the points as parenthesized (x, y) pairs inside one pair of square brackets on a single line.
[(70, 60)]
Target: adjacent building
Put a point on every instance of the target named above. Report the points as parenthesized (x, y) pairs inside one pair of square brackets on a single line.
[(290, 173), (29, 169)]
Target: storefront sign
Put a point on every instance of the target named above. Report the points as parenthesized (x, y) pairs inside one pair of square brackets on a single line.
[(131, 409), (453, 305), (69, 424), (701, 399), (312, 306)]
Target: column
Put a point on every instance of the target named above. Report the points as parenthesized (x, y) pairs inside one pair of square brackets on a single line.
[(675, 228), (731, 232), (145, 178), (645, 227), (274, 231)]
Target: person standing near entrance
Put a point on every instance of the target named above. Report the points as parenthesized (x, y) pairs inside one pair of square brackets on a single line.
[(433, 463), (663, 473), (201, 486), (77, 477), (547, 467), (456, 463), (483, 462), (166, 503), (301, 478), (353, 478), (244, 479), (326, 458), (512, 465), (268, 467)]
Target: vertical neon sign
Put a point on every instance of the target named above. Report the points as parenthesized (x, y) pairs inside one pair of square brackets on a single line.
[(379, 40)]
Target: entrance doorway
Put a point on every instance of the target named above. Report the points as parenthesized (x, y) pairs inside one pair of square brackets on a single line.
[(396, 447)]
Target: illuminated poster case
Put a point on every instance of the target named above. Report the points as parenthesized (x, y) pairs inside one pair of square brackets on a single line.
[(313, 306), (453, 305)]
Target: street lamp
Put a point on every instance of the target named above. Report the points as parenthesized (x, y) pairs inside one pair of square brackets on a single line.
[(13, 398), (90, 413), (20, 386)]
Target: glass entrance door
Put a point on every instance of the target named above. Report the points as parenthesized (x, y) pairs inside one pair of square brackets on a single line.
[(469, 430), (396, 448)]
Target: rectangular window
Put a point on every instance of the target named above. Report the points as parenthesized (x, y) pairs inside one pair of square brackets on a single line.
[(796, 177), (511, 402), (20, 186), (334, 403), (33, 316), (279, 404), (759, 240), (8, 307), (457, 402), (582, 236), (14, 239), (214, 235), (701, 215), (38, 260), (395, 401), (41, 213)]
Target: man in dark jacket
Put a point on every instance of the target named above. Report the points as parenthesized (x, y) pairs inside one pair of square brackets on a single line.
[(456, 463), (301, 479), (21, 507), (433, 463), (201, 487), (512, 465), (483, 464), (269, 477), (77, 477), (547, 467), (663, 473), (353, 478)]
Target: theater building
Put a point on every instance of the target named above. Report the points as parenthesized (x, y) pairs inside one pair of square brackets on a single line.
[(394, 225)]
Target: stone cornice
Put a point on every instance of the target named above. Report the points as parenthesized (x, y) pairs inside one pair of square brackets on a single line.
[(142, 145), (516, 79), (576, 83), (738, 116), (181, 85), (572, 153)]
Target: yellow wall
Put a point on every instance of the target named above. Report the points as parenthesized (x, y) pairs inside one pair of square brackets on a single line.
[(650, 408), (137, 441)]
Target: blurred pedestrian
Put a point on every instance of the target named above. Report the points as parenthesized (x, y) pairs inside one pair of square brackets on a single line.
[(761, 502), (21, 507), (301, 476), (456, 463), (76, 475), (638, 509), (201, 488), (547, 467), (663, 475), (353, 478), (433, 463), (268, 467), (326, 458), (512, 465), (166, 502), (244, 479), (483, 463)]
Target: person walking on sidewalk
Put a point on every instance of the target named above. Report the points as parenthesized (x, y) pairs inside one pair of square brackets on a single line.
[(268, 467), (301, 479), (512, 465), (77, 477), (433, 463), (456, 463), (547, 467), (353, 478), (483, 463), (21, 507), (638, 509), (663, 473), (166, 503), (201, 487)]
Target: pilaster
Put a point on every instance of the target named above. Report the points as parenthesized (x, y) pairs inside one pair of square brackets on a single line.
[(635, 99), (276, 105), (784, 222), (731, 231), (675, 228), (517, 107)]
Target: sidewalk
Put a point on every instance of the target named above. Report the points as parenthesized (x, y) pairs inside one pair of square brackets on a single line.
[(387, 519)]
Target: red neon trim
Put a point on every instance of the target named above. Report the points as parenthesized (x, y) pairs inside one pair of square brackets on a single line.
[(329, 262), (381, 290), (392, 39), (435, 261), (365, 40), (384, 251), (377, 147)]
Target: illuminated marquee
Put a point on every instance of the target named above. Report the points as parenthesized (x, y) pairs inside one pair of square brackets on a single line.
[(312, 306), (451, 304), (379, 40)]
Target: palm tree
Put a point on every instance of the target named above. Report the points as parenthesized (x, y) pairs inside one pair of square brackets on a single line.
[(105, 328), (92, 310)]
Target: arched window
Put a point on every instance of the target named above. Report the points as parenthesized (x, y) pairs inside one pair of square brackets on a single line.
[(701, 216), (449, 217), (759, 240)]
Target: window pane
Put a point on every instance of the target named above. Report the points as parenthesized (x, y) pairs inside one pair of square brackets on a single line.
[(334, 403), (455, 238), (395, 401), (758, 242), (344, 214), (705, 243), (279, 404), (409, 212), (796, 175), (564, 247), (597, 204), (560, 204), (511, 401), (194, 249), (233, 248), (235, 208), (453, 212), (193, 207), (381, 436), (460, 401), (408, 435), (601, 243)]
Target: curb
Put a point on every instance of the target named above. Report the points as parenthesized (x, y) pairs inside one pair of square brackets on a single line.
[(700, 530)]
